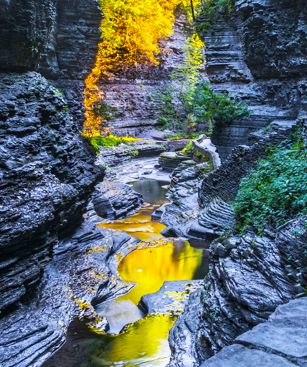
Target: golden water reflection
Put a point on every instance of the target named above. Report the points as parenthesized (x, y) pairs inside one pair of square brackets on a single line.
[(151, 267), (138, 225), (143, 343), (163, 260), (156, 260)]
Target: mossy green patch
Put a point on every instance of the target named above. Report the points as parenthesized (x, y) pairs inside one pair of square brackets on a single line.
[(110, 140)]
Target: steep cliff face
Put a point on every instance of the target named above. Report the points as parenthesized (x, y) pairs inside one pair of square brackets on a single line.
[(27, 34), (249, 275), (46, 176), (57, 38), (259, 56), (274, 37), (46, 169)]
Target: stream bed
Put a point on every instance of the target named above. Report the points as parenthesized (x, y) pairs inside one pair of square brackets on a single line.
[(136, 337)]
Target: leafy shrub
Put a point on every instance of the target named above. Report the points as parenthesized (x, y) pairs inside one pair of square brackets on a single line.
[(207, 105), (110, 141), (197, 107), (210, 10), (275, 192), (188, 149)]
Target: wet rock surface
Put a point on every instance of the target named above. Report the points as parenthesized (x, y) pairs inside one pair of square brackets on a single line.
[(115, 200), (80, 275), (47, 174), (171, 297), (171, 160), (281, 341), (183, 195), (112, 157), (248, 278)]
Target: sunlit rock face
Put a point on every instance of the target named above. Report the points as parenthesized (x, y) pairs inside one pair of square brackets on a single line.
[(134, 93)]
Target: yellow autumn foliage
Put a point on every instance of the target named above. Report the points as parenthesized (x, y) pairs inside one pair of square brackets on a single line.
[(131, 31)]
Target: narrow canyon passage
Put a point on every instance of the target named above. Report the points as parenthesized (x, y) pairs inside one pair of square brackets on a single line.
[(137, 337), (153, 183)]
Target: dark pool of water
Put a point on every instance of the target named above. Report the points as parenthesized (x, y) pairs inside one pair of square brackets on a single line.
[(153, 192)]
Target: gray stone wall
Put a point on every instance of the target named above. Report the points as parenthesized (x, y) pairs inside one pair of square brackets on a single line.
[(258, 56)]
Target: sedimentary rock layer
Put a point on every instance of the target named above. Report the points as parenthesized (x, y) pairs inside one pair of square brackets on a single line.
[(47, 174), (281, 341), (258, 55), (249, 277), (47, 171)]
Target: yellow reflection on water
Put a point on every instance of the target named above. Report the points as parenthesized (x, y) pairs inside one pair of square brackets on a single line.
[(151, 267), (139, 225), (144, 343)]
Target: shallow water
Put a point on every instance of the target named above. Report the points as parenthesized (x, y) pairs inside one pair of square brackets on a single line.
[(153, 191), (144, 340)]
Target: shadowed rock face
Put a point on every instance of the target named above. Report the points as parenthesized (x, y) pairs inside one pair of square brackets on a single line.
[(46, 175), (279, 50), (26, 32), (46, 169), (259, 56), (55, 37), (248, 278)]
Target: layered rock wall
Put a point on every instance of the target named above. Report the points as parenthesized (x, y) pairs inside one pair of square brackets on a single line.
[(248, 278), (46, 169), (57, 38), (258, 55)]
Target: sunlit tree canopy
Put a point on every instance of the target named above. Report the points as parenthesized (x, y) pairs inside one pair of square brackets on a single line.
[(131, 31)]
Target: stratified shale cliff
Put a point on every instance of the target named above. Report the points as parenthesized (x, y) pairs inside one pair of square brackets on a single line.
[(46, 169), (57, 38), (258, 55)]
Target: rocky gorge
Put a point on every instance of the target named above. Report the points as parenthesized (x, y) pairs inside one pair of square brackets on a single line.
[(69, 220)]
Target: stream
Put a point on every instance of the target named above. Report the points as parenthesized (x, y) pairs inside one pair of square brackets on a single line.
[(136, 338)]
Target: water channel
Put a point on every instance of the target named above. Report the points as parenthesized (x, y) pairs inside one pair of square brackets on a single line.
[(134, 338)]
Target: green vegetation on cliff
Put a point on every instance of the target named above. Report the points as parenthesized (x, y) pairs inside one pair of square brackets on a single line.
[(209, 12), (199, 108), (276, 191)]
